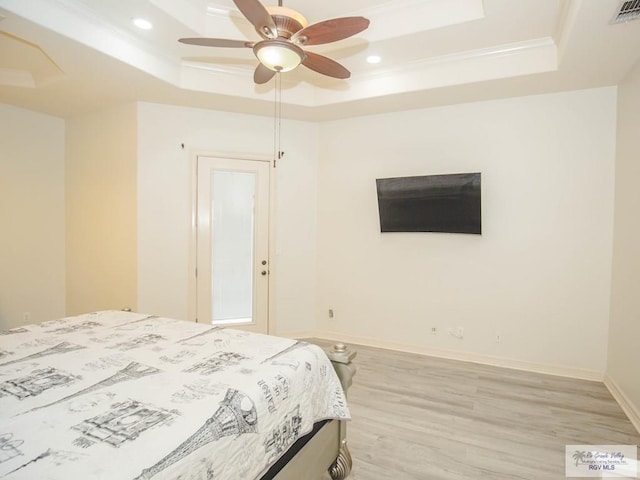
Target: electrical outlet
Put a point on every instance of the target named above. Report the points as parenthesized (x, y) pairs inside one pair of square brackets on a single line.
[(434, 330), (331, 313)]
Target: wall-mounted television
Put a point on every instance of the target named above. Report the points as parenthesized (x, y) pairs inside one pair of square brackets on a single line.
[(431, 203)]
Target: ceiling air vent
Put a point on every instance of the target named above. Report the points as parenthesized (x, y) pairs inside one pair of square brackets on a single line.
[(628, 11)]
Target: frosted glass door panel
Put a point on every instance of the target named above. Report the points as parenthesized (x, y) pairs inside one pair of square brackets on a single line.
[(232, 246)]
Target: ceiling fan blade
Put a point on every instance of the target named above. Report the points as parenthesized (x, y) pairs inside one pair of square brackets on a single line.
[(325, 66), (255, 12), (330, 30), (262, 74), (217, 42)]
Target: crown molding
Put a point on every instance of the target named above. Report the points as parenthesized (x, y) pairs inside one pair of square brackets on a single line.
[(405, 17), (502, 51), (75, 20), (522, 58)]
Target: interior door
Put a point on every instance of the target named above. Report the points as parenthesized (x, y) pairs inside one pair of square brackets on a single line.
[(233, 243)]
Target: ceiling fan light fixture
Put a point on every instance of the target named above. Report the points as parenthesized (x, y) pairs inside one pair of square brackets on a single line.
[(278, 55)]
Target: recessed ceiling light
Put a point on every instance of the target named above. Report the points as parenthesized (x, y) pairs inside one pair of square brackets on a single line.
[(374, 59), (142, 23)]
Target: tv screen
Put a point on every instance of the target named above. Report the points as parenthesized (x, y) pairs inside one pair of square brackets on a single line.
[(432, 203)]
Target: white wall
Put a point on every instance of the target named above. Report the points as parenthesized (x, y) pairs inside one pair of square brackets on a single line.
[(32, 257), (539, 274), (164, 205), (100, 210), (624, 341)]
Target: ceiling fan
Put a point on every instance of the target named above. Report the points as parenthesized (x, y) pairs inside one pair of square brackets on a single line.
[(284, 32)]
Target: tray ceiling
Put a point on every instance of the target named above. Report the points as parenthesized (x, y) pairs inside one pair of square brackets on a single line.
[(66, 57)]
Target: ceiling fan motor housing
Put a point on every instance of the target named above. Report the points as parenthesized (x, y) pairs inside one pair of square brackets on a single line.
[(287, 21)]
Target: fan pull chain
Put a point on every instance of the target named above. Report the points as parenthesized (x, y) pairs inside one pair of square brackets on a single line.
[(277, 120), (276, 148), (279, 82)]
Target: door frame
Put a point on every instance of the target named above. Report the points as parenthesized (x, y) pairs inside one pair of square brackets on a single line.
[(193, 228)]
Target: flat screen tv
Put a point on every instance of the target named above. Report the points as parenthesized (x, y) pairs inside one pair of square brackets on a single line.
[(432, 203)]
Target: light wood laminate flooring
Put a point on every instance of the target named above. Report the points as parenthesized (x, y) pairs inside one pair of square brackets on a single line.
[(427, 418)]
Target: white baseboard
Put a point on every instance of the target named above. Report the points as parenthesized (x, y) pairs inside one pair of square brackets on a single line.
[(548, 369), (627, 406)]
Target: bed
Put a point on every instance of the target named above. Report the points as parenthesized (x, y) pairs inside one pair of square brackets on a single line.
[(112, 395)]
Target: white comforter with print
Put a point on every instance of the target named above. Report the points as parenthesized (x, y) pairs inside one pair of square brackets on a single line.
[(117, 395)]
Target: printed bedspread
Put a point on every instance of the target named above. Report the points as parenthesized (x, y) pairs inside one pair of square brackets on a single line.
[(120, 395)]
